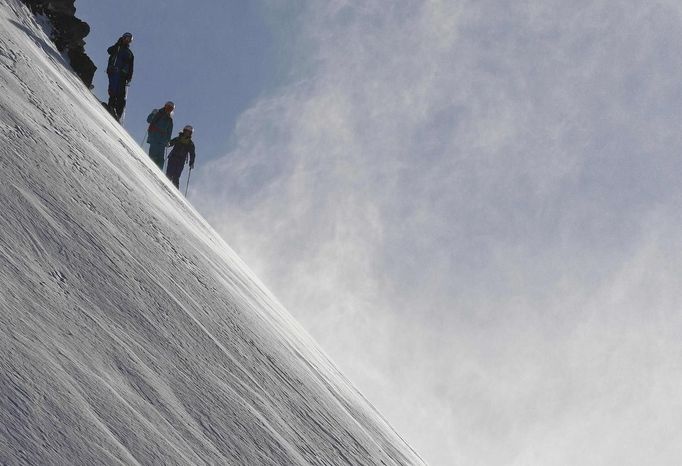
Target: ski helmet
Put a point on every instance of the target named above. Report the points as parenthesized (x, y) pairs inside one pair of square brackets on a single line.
[(188, 128), (170, 105), (127, 35)]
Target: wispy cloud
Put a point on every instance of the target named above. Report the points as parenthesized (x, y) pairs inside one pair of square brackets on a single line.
[(473, 206)]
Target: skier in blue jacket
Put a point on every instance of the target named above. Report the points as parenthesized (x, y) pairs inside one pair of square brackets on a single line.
[(159, 132), (120, 72)]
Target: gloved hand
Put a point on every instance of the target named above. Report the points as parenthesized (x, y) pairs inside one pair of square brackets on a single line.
[(191, 166)]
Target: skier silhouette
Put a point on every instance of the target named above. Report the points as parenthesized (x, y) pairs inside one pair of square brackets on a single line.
[(120, 72), (159, 132), (182, 146)]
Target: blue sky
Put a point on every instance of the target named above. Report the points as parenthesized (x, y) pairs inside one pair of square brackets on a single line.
[(473, 206), (212, 59)]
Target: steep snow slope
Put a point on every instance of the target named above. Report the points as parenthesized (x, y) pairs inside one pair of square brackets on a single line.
[(129, 332)]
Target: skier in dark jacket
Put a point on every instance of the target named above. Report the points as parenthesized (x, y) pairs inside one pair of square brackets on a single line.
[(120, 71), (159, 132), (182, 146)]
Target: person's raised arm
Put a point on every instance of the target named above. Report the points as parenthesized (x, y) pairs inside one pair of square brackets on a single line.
[(132, 63), (192, 156)]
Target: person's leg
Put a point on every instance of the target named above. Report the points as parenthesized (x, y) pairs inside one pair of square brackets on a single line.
[(156, 152), (114, 80), (174, 171), (111, 106), (176, 180), (121, 100)]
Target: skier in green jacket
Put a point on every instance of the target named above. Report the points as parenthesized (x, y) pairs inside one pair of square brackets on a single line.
[(159, 132), (183, 146)]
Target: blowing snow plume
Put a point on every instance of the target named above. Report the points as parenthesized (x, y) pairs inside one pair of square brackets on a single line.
[(129, 332)]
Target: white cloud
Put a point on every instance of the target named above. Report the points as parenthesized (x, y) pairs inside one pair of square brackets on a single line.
[(461, 202)]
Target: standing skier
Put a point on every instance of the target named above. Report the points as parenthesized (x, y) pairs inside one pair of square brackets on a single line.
[(182, 146), (159, 132), (120, 71)]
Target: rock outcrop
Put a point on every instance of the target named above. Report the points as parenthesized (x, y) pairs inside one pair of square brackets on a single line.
[(68, 34)]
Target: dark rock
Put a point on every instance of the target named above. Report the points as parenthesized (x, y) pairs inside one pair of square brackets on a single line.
[(68, 34)]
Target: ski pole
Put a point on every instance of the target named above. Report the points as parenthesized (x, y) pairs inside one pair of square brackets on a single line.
[(122, 120), (189, 174), (144, 139)]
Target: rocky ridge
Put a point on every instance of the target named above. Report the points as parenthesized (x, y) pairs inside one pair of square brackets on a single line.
[(68, 33)]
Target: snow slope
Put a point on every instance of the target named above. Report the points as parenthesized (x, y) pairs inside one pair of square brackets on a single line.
[(129, 332)]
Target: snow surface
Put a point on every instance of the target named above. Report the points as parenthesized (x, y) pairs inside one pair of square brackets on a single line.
[(129, 331)]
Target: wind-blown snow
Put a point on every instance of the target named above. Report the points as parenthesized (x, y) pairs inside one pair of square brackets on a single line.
[(129, 332)]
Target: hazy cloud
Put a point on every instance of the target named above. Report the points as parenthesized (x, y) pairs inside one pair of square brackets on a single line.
[(473, 207)]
